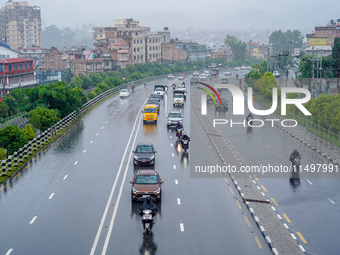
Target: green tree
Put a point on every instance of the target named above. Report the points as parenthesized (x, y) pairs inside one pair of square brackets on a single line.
[(29, 132), (12, 138), (3, 153), (42, 118), (12, 103), (76, 82), (3, 109), (252, 77), (237, 47)]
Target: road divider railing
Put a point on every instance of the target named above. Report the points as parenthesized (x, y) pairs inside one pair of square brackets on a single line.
[(16, 162)]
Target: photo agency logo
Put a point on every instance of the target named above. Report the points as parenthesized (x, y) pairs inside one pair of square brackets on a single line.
[(238, 105)]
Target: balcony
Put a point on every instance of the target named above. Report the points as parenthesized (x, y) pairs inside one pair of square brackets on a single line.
[(22, 84)]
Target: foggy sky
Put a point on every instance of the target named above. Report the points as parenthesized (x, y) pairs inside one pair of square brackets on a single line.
[(186, 14)]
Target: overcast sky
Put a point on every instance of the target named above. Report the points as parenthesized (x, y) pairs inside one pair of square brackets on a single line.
[(184, 14)]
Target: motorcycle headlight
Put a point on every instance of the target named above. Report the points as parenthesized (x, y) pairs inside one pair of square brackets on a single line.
[(157, 191), (134, 191), (152, 157)]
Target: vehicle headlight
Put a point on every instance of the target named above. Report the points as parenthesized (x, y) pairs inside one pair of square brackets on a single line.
[(157, 191), (134, 191), (135, 157), (144, 115), (152, 157)]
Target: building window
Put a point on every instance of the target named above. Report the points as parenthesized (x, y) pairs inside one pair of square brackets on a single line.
[(137, 41), (20, 66), (141, 57), (1, 67), (136, 33), (15, 66), (150, 48), (10, 67), (30, 64), (141, 41), (134, 41), (134, 57), (25, 65)]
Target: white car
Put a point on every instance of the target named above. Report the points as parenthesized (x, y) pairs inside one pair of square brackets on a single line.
[(124, 93), (182, 89), (276, 74), (248, 68), (227, 73), (159, 91), (243, 68), (170, 76), (195, 73), (237, 68), (203, 77)]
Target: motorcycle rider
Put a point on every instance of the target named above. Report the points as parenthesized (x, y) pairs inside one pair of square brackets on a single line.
[(183, 84), (173, 85), (237, 76), (178, 126), (249, 117), (185, 137), (295, 154), (148, 204)]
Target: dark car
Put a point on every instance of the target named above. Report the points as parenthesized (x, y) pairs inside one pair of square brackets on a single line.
[(155, 96), (146, 183), (154, 101), (144, 155)]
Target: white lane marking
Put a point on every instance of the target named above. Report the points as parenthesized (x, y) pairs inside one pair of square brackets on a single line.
[(51, 196), (76, 162), (97, 134), (65, 177), (171, 145), (174, 166), (95, 242), (301, 247), (33, 220), (268, 146), (178, 201), (84, 151), (91, 142), (310, 182), (330, 200), (286, 226), (170, 136), (181, 226), (279, 156), (176, 182), (173, 154), (102, 127), (9, 252), (293, 236)]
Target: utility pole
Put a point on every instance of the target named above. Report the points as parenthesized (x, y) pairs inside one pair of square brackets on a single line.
[(337, 72), (313, 85)]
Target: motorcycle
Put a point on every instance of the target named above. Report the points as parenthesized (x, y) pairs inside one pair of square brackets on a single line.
[(179, 132), (185, 145), (147, 220), (174, 87), (250, 120), (297, 163)]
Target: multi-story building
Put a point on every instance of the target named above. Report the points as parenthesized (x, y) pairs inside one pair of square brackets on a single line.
[(172, 53), (21, 25), (54, 60), (324, 36), (16, 73), (153, 46), (257, 50), (36, 53)]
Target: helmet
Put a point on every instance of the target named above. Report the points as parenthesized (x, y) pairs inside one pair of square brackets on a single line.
[(295, 149), (179, 123), (184, 134), (148, 199)]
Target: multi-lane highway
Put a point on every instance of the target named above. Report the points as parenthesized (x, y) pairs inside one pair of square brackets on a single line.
[(75, 197)]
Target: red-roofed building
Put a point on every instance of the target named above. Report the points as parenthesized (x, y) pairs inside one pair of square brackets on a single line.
[(16, 73)]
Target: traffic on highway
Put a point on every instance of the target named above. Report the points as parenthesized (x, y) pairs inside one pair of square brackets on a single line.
[(122, 181)]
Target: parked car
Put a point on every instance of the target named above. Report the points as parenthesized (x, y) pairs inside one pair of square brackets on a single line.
[(124, 93), (146, 183), (173, 118), (276, 74), (144, 155)]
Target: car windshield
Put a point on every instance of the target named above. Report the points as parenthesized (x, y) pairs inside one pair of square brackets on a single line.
[(158, 89), (124, 90), (144, 149), (153, 102), (175, 115), (154, 95), (146, 179), (178, 96), (150, 110)]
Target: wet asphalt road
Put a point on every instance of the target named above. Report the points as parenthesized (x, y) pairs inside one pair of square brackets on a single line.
[(75, 197)]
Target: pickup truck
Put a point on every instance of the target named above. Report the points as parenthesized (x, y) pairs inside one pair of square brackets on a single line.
[(178, 98)]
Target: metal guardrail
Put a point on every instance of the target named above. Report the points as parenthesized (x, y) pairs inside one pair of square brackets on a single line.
[(316, 137), (37, 143), (20, 117)]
